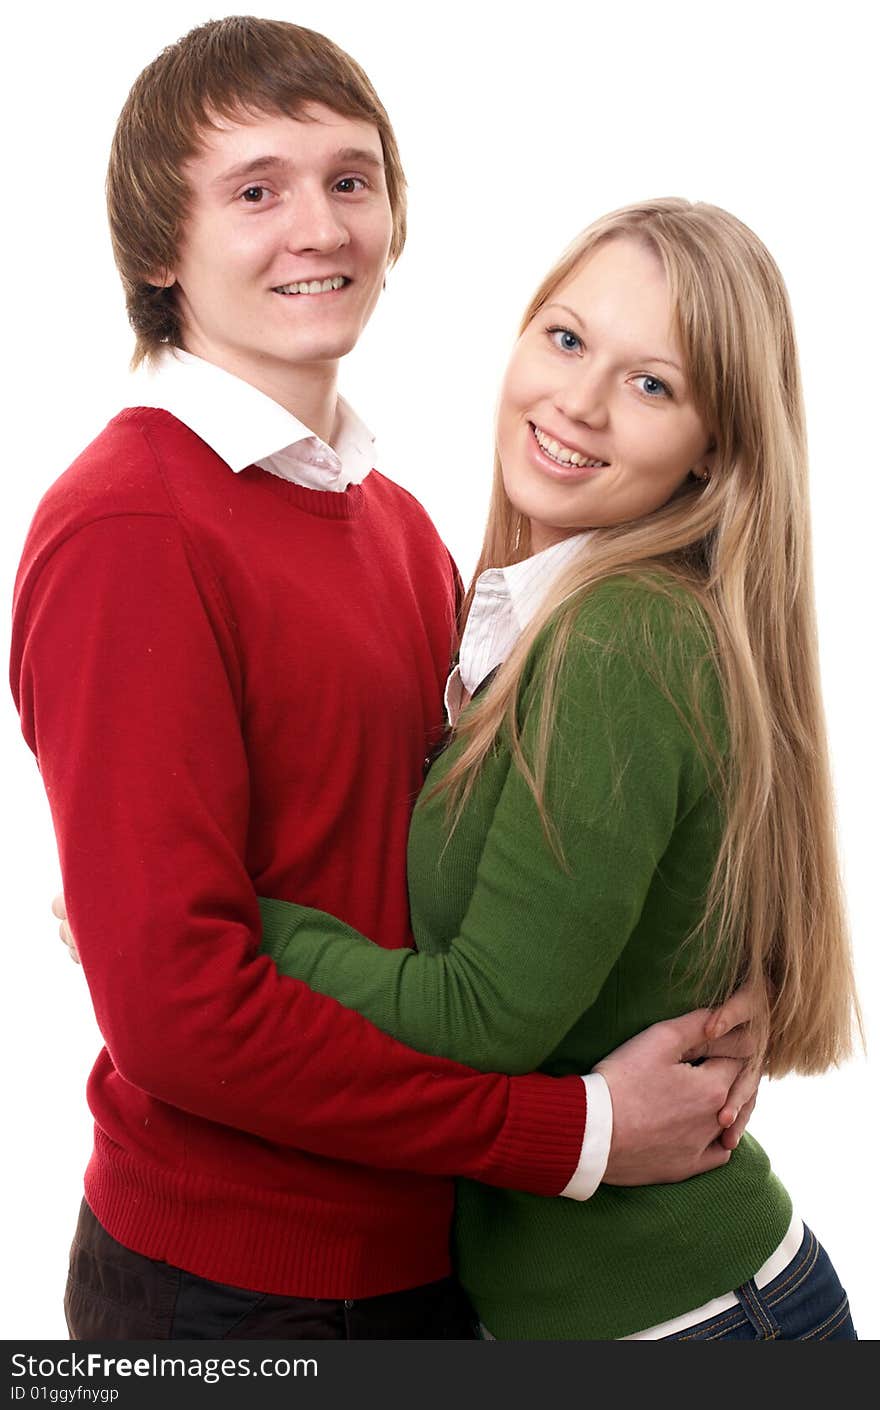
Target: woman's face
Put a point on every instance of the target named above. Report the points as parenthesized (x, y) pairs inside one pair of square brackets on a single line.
[(596, 425)]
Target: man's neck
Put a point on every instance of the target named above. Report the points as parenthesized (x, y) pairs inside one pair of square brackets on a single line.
[(306, 390)]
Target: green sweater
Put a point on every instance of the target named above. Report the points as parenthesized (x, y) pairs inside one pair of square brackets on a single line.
[(525, 963)]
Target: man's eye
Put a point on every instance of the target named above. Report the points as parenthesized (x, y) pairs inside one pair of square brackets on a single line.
[(349, 184), (652, 386), (253, 195), (565, 340)]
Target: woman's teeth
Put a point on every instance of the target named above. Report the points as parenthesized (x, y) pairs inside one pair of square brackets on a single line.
[(313, 286), (564, 455)]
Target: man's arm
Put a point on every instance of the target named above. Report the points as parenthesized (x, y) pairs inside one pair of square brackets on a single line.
[(664, 1125), (125, 674)]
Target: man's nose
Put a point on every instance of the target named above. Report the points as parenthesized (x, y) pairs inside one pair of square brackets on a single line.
[(316, 225)]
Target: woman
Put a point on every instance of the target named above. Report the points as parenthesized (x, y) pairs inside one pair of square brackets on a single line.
[(634, 812)]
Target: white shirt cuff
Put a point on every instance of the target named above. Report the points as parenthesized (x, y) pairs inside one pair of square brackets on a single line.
[(597, 1140)]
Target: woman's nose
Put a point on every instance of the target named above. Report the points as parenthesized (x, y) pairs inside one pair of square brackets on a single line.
[(583, 396)]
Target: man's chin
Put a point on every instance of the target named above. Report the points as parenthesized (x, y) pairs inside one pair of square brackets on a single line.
[(307, 352)]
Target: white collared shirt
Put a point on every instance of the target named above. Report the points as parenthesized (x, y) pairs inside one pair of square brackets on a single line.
[(505, 601), (245, 427)]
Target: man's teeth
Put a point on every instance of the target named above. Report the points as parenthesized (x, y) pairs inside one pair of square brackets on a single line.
[(563, 454), (313, 286)]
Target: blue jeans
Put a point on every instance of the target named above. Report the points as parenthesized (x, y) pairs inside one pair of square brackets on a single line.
[(804, 1303)]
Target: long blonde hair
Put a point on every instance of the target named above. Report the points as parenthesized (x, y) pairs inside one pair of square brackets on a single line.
[(740, 546)]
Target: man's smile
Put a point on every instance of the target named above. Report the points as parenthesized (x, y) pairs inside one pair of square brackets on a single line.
[(314, 286)]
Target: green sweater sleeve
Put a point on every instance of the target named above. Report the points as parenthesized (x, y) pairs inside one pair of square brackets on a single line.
[(539, 938)]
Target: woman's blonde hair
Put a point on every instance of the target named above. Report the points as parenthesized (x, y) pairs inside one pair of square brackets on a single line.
[(740, 546)]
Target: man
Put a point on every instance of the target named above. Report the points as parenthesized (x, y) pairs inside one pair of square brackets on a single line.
[(230, 641)]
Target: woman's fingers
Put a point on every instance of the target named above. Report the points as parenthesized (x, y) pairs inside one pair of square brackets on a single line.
[(737, 1043), (66, 934), (730, 1138), (60, 911), (741, 1007), (744, 1090)]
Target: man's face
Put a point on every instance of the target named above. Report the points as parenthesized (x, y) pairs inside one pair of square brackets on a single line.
[(286, 244)]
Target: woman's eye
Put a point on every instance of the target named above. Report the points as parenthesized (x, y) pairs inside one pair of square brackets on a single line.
[(253, 195), (348, 184), (565, 340), (652, 386)]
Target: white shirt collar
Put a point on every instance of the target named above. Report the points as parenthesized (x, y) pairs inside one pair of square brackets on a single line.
[(505, 601), (245, 427)]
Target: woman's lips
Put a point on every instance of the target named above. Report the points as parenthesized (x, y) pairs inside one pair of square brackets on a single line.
[(558, 469)]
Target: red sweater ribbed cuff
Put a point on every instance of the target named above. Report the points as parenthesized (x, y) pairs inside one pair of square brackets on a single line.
[(540, 1146)]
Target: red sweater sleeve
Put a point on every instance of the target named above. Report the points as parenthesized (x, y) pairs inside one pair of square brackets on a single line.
[(124, 675)]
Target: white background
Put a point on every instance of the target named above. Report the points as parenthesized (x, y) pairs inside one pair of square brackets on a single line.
[(517, 125)]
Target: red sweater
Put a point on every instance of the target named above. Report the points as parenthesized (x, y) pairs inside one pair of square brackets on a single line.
[(230, 683)]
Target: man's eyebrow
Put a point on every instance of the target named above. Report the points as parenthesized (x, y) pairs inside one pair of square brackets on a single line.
[(361, 155), (248, 168), (643, 357)]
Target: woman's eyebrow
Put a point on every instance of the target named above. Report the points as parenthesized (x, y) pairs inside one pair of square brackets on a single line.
[(653, 357), (565, 309), (642, 357)]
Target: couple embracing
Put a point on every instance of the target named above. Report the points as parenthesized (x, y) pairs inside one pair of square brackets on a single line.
[(241, 657)]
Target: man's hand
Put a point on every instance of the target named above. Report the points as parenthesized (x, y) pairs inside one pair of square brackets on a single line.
[(667, 1112), (60, 910)]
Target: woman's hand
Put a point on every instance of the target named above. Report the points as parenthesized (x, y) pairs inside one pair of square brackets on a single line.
[(728, 1033), (60, 910)]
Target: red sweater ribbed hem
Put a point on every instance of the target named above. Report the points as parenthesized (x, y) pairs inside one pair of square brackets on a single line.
[(270, 1241)]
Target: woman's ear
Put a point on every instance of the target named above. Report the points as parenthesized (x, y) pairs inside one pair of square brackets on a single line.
[(704, 469)]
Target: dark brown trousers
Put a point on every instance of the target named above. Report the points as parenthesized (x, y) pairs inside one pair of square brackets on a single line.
[(116, 1295)]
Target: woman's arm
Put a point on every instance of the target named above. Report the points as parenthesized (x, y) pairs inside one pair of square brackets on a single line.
[(538, 940)]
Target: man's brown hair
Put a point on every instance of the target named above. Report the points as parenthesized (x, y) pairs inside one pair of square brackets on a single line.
[(221, 69)]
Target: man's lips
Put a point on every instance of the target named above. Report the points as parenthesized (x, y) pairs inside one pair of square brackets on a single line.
[(328, 284)]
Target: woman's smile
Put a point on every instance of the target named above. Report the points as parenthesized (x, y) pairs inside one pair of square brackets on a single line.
[(573, 464)]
